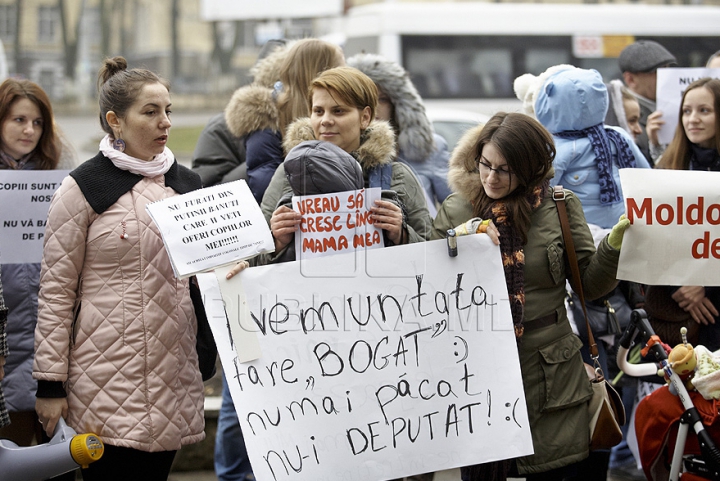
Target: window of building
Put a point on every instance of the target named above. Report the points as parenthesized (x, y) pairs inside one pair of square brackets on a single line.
[(7, 23), (48, 23)]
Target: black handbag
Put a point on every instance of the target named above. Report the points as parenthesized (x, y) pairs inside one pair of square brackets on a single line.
[(608, 315)]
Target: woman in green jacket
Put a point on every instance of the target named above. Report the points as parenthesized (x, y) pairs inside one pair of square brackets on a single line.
[(500, 172)]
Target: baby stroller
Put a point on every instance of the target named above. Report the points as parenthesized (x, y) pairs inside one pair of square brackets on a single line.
[(669, 450)]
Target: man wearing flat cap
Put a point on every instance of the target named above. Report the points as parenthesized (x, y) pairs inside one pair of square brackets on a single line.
[(639, 62)]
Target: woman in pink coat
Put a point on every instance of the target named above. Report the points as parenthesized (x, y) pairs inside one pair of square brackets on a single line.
[(116, 333)]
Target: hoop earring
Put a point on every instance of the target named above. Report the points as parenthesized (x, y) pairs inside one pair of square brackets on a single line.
[(119, 144)]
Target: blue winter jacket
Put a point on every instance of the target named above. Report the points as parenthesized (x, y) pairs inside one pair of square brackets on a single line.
[(577, 99), (263, 155)]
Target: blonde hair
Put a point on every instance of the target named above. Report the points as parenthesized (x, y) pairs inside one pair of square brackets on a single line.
[(303, 62), (350, 84)]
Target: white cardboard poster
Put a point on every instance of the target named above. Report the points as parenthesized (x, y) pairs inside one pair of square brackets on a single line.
[(24, 202), (210, 227), (400, 361), (671, 83), (674, 236), (336, 223)]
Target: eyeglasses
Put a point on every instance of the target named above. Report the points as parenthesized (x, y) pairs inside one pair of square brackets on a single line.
[(485, 168)]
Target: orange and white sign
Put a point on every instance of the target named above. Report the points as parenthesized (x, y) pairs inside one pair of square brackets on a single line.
[(336, 223)]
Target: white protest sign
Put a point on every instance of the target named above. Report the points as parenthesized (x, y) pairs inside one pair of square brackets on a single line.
[(671, 83), (674, 237), (335, 223), (405, 364), (210, 227), (25, 199)]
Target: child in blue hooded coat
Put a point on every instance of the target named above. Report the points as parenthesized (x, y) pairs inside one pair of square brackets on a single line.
[(572, 104)]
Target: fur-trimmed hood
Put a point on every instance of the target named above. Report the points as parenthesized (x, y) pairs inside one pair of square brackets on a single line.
[(377, 148), (250, 109), (463, 175), (253, 107), (415, 137)]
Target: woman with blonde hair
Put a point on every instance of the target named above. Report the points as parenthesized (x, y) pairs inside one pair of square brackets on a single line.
[(260, 112), (304, 61)]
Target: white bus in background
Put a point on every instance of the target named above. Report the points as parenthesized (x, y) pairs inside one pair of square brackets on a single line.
[(474, 50)]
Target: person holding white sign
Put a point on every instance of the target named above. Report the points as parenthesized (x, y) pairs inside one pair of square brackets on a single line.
[(343, 102), (696, 146), (116, 332), (501, 172), (29, 141), (638, 63), (572, 104), (315, 167)]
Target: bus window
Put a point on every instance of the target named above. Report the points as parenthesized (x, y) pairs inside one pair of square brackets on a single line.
[(537, 60)]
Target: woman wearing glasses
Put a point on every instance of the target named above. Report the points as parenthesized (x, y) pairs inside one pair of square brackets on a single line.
[(501, 173)]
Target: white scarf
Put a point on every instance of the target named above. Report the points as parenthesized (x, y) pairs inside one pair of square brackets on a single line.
[(159, 165)]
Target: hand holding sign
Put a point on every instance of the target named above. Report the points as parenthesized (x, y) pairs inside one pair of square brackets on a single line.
[(211, 227), (374, 377), (675, 234), (284, 224)]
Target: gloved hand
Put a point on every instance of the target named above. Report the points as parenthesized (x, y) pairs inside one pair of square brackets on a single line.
[(474, 226), (618, 231)]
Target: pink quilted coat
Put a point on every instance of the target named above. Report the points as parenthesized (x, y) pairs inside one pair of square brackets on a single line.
[(115, 324)]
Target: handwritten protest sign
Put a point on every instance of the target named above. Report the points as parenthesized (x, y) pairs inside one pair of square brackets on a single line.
[(671, 83), (25, 199), (674, 237), (405, 364), (211, 227), (334, 223)]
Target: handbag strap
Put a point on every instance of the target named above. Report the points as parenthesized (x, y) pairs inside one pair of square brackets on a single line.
[(575, 279)]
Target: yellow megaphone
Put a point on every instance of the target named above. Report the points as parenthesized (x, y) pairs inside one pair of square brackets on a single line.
[(65, 452)]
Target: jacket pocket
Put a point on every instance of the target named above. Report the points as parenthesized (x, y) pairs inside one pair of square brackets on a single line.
[(576, 178), (565, 381)]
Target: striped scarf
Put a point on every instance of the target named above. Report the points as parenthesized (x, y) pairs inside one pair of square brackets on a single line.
[(513, 255), (600, 138), (14, 164)]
